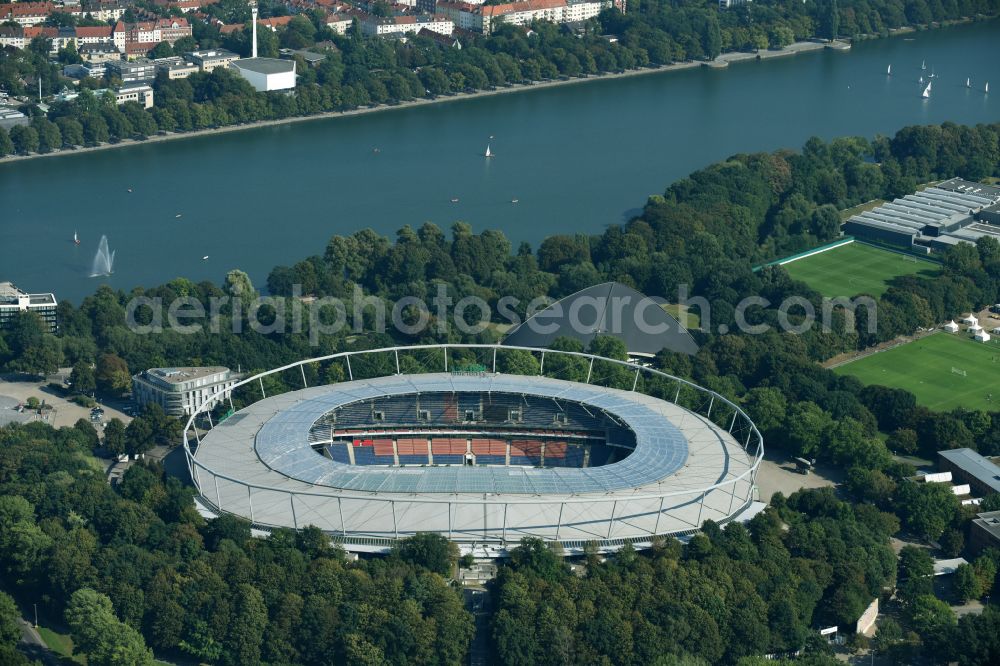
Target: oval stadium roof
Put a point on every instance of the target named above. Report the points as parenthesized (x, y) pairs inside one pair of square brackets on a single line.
[(610, 308)]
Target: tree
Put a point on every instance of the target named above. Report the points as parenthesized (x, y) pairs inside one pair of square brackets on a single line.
[(139, 436), (246, 631), (926, 508), (239, 286), (71, 131), (33, 349), (115, 439), (929, 615), (967, 583), (952, 542), (25, 139), (916, 571), (162, 50), (6, 145), (830, 20), (99, 634), (112, 375), (10, 632), (82, 380), (430, 550)]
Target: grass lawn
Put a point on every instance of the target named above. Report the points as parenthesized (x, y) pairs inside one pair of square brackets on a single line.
[(854, 269), (687, 318), (61, 644), (924, 368)]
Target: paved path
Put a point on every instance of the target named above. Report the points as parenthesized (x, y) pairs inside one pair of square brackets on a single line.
[(34, 647)]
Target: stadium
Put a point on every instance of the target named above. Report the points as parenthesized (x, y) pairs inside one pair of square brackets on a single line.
[(463, 440)]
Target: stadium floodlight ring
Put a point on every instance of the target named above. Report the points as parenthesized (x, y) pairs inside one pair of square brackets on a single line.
[(696, 457)]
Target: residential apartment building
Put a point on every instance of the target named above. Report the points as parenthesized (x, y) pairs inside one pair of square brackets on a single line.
[(26, 13), (150, 32), (377, 26), (94, 35), (13, 301), (485, 18), (102, 52), (339, 23), (180, 391), (100, 11)]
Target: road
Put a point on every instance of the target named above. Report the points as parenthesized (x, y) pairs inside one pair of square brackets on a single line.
[(477, 602), (33, 646)]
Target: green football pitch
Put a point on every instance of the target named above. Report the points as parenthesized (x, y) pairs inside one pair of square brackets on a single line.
[(855, 269), (931, 369)]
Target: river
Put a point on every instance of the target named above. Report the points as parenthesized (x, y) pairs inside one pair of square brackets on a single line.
[(577, 158)]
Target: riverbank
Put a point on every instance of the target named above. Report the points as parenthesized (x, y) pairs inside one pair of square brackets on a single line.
[(722, 61)]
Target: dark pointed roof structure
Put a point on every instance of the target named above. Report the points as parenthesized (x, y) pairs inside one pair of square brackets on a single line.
[(610, 308)]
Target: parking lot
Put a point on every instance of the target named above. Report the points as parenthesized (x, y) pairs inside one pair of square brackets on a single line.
[(15, 390)]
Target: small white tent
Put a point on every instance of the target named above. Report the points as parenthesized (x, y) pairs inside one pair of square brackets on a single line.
[(975, 328), (951, 327), (982, 336), (970, 320)]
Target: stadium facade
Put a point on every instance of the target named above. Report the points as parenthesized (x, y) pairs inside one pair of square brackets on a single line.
[(452, 439)]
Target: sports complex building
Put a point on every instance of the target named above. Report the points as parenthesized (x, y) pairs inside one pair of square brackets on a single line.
[(456, 439)]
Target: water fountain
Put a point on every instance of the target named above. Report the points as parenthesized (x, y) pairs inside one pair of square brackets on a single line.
[(104, 260)]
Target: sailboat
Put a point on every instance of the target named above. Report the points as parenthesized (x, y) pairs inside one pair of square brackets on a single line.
[(927, 91), (986, 88), (488, 153), (888, 71), (921, 80), (76, 239), (923, 64), (968, 83)]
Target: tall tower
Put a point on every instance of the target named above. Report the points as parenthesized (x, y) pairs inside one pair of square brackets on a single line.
[(253, 17)]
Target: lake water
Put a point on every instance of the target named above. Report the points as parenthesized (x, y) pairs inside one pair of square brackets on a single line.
[(577, 158)]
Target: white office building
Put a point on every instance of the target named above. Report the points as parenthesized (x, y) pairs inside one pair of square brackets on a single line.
[(180, 391), (13, 301)]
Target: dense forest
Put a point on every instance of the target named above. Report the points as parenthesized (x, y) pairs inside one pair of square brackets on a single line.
[(360, 72), (139, 558), (720, 599)]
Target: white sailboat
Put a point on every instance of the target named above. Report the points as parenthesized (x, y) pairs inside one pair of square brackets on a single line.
[(923, 64), (927, 91), (888, 71), (986, 88), (76, 239), (921, 80), (488, 153), (968, 83)]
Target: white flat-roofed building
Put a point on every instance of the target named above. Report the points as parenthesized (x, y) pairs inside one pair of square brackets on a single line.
[(180, 391), (176, 67), (266, 73), (13, 301), (141, 94)]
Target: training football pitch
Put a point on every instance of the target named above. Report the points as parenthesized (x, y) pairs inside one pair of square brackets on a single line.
[(854, 269), (927, 369)]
